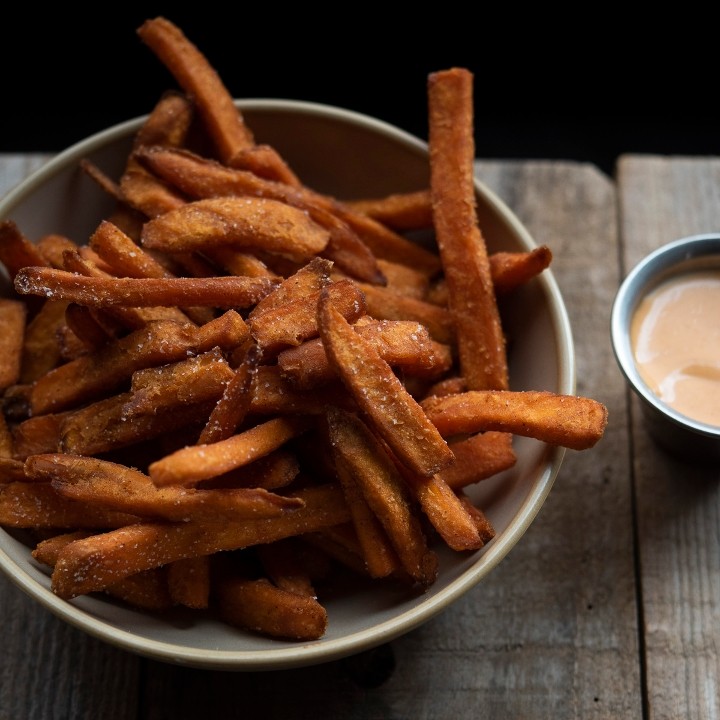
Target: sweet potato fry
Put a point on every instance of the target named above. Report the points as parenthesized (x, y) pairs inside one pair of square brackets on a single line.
[(479, 457), (472, 301), (291, 323), (147, 590), (380, 395), (13, 316), (248, 223), (363, 458), (510, 270), (158, 343), (16, 250), (111, 486), (36, 505), (41, 351), (259, 606), (201, 462), (565, 420), (234, 404), (200, 178), (200, 81), (404, 345), (102, 292), (399, 211), (386, 304), (197, 379), (94, 563), (188, 582)]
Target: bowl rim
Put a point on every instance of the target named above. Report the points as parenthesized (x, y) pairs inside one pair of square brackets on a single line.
[(660, 263), (326, 650)]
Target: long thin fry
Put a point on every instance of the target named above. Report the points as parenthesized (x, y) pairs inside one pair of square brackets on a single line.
[(394, 414), (480, 339)]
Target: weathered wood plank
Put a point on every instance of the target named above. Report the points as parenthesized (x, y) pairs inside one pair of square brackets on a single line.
[(678, 505)]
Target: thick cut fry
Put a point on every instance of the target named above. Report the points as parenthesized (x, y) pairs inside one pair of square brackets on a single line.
[(565, 420), (446, 513), (201, 462), (283, 562), (188, 582), (200, 178), (246, 223), (234, 404), (259, 606), (480, 339), (378, 392), (198, 379), (13, 315), (291, 323), (479, 457), (386, 304), (147, 590), (364, 459), (110, 486), (41, 351), (16, 250), (377, 551), (101, 292), (200, 81), (510, 270), (404, 345), (96, 562), (159, 343), (400, 211), (36, 505)]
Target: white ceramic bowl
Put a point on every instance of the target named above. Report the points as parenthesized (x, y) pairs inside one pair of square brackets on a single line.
[(349, 155)]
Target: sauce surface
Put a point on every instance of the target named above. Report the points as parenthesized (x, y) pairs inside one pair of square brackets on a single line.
[(675, 336)]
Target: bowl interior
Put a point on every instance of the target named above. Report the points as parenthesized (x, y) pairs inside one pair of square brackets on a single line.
[(348, 155)]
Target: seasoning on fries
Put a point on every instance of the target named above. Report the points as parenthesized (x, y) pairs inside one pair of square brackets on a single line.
[(238, 387)]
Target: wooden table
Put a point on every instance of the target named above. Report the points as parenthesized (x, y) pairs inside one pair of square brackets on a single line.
[(609, 607)]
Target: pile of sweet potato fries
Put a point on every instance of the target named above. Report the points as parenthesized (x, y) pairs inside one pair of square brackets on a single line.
[(238, 385)]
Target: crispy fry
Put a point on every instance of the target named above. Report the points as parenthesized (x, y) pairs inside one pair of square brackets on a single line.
[(148, 590), (201, 462), (114, 487), (140, 546), (200, 178), (235, 402), (188, 582), (404, 345), (386, 304), (480, 338), (479, 457), (13, 315), (293, 322), (399, 211), (565, 420), (101, 292), (250, 223), (259, 606), (200, 81), (511, 269), (37, 505), (393, 413), (196, 379), (158, 343), (16, 250), (363, 458)]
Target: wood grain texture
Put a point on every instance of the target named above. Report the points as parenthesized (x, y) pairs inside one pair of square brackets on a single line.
[(678, 505)]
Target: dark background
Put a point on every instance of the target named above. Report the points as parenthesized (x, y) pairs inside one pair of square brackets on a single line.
[(546, 86)]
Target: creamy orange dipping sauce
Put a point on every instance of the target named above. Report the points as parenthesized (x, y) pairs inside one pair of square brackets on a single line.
[(675, 336)]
